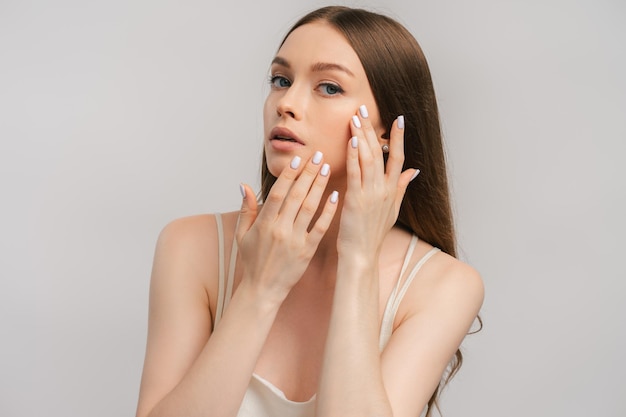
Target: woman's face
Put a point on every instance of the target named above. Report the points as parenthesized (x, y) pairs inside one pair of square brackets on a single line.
[(317, 84)]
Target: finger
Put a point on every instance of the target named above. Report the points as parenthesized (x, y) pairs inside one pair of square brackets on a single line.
[(248, 213), (366, 159), (396, 150), (311, 203), (372, 138), (403, 182), (300, 189), (280, 189), (323, 222), (353, 169)]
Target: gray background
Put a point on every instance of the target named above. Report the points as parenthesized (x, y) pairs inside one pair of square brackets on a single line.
[(117, 117)]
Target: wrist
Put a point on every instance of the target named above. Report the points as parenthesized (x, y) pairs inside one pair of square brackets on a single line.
[(262, 301), (357, 261)]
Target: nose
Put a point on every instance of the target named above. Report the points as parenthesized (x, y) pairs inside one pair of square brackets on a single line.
[(291, 103)]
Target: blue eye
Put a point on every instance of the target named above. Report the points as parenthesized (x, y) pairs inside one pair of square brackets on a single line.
[(279, 81), (330, 89)]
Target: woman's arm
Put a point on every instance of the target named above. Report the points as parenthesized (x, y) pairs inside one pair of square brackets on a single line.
[(185, 371), (448, 296), (188, 373), (351, 382), (356, 380)]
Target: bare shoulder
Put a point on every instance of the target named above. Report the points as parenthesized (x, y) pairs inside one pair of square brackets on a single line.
[(454, 277), (194, 238), (434, 317), (182, 288), (187, 254), (446, 285)]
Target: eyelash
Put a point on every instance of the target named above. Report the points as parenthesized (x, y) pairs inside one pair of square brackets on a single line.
[(335, 86), (275, 78)]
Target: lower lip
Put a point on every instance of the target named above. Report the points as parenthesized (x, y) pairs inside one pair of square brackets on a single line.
[(285, 146)]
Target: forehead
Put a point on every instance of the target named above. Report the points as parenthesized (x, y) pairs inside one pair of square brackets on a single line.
[(319, 42)]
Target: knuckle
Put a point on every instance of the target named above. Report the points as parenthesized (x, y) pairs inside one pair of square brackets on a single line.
[(296, 194), (318, 229), (279, 234), (310, 170), (320, 184), (275, 197), (367, 160), (354, 175), (308, 208), (288, 173), (396, 157)]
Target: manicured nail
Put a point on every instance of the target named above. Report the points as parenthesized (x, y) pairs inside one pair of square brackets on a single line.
[(325, 170), (317, 158), (363, 111), (415, 174), (295, 162), (354, 142), (356, 121), (334, 196), (400, 122), (242, 190)]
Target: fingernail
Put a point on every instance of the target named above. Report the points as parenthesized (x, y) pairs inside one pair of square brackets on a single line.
[(242, 190), (295, 162), (363, 111), (415, 174), (400, 122), (356, 121), (317, 158), (325, 170), (354, 142), (334, 196)]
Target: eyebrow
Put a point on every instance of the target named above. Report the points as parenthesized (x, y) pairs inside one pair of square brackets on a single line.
[(317, 67)]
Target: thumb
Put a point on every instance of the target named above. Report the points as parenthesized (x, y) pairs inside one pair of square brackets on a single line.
[(248, 213)]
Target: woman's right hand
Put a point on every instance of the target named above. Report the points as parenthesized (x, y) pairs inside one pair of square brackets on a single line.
[(277, 242)]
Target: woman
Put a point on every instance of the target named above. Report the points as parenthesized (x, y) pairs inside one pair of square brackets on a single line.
[(322, 301)]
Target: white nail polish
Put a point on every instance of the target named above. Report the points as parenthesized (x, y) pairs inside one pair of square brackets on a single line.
[(363, 111), (317, 158), (354, 142), (356, 121), (325, 170), (400, 122), (295, 162), (415, 174), (242, 190), (334, 197)]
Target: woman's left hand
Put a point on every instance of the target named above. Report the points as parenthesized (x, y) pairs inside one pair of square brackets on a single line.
[(374, 192)]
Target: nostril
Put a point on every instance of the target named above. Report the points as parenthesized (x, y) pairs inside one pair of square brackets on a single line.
[(289, 113)]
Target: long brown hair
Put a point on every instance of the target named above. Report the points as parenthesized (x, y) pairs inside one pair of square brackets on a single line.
[(401, 83)]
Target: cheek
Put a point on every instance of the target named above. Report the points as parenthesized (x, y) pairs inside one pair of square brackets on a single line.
[(335, 136), (335, 123), (267, 113)]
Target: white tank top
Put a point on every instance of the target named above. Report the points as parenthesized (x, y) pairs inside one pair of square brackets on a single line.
[(262, 398)]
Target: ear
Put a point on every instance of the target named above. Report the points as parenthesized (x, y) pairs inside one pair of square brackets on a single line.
[(383, 137), (381, 132)]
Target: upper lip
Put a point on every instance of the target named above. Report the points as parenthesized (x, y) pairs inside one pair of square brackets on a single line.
[(283, 132)]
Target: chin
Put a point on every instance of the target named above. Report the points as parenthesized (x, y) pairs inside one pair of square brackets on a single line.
[(274, 172), (275, 165)]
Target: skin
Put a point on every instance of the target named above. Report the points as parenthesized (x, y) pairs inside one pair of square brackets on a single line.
[(311, 282), (307, 108)]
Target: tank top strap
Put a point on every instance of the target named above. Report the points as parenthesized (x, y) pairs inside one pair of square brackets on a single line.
[(220, 267), (400, 289), (231, 269), (224, 283)]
